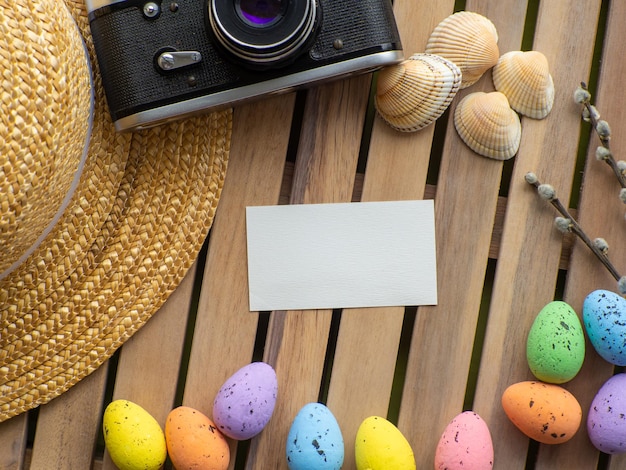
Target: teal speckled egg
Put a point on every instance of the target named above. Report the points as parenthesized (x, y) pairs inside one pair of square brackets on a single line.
[(555, 349), (604, 315)]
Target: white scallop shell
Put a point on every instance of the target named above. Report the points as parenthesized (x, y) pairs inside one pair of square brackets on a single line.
[(468, 39), (413, 94), (488, 125), (524, 77)]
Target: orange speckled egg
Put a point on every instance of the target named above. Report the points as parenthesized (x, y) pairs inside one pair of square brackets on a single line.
[(544, 412), (193, 441)]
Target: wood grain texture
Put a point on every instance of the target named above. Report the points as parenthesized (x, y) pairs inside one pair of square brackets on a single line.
[(13, 442), (149, 363), (325, 168), (465, 207), (527, 268), (601, 214), (67, 431), (476, 223), (367, 344), (225, 329)]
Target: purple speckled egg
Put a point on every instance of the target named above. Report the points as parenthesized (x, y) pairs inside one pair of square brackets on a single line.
[(245, 403), (606, 423)]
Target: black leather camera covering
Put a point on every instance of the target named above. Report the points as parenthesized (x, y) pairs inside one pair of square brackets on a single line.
[(127, 44)]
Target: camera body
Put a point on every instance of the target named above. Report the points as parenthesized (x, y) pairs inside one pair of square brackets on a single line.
[(162, 60)]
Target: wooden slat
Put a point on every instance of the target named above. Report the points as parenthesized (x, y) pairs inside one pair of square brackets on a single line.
[(367, 343), (68, 426), (473, 223), (325, 168), (529, 256), (601, 214), (225, 329), (465, 205), (147, 371), (13, 442)]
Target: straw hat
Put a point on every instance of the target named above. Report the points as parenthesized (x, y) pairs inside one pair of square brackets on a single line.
[(96, 228)]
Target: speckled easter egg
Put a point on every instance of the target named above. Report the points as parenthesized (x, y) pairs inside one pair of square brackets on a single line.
[(379, 445), (193, 441), (606, 422), (244, 404), (315, 441), (133, 438), (544, 412), (555, 348), (465, 444), (604, 317)]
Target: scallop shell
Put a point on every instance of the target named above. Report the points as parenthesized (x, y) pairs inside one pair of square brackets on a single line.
[(413, 94), (524, 77), (488, 125), (468, 39)]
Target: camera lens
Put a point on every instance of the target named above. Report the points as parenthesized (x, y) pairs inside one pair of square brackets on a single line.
[(264, 33), (261, 12)]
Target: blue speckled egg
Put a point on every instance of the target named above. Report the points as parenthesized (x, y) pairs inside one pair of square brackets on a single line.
[(315, 441), (606, 423), (604, 317)]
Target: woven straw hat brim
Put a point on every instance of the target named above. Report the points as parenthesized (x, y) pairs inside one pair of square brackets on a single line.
[(134, 226), (47, 107)]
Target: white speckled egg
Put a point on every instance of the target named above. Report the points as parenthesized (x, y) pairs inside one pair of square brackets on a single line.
[(133, 438), (604, 317), (379, 445), (465, 444), (315, 441), (606, 422), (245, 402)]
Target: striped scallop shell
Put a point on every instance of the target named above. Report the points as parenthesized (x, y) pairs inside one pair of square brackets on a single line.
[(413, 94), (524, 77), (488, 125), (468, 39)]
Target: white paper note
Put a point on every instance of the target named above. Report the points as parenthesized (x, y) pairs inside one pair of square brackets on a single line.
[(318, 256)]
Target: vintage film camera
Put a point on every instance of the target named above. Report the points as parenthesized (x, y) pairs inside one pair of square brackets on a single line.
[(162, 60)]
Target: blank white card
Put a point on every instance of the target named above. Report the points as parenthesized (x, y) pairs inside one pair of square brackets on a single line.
[(319, 256)]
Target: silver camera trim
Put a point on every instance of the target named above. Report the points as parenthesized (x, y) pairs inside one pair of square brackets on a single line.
[(93, 5), (194, 106)]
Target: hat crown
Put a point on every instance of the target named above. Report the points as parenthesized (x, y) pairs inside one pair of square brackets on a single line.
[(46, 101)]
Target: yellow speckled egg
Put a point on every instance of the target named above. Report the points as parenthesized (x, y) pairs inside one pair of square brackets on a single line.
[(133, 438), (379, 445), (194, 442), (544, 412)]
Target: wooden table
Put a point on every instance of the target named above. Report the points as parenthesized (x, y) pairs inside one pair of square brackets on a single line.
[(499, 261)]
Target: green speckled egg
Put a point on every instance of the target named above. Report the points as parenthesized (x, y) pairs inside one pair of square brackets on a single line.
[(556, 344)]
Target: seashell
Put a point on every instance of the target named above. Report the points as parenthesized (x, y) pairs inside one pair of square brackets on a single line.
[(488, 125), (468, 39), (524, 77), (413, 94)]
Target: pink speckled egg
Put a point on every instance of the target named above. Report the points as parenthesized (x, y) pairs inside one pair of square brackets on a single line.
[(245, 403), (465, 444)]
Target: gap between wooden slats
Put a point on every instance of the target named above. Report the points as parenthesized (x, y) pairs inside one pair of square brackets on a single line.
[(601, 214), (499, 217), (527, 266)]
